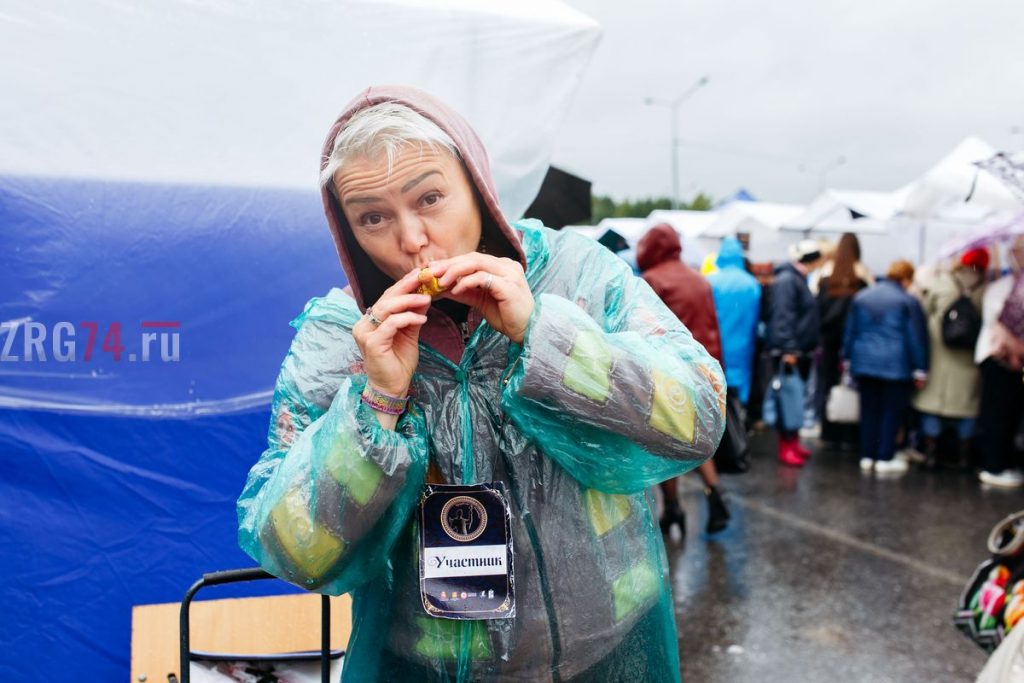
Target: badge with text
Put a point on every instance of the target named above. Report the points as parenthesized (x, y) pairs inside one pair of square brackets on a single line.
[(466, 552)]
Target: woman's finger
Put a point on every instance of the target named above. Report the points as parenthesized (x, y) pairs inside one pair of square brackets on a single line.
[(495, 286), (399, 303), (387, 329), (450, 270), (407, 285)]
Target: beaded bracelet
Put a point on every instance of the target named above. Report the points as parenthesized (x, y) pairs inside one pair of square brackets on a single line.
[(383, 403)]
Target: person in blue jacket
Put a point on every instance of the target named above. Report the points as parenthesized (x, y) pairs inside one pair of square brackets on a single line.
[(738, 304), (886, 345)]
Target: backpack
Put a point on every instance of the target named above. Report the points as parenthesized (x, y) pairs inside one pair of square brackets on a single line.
[(961, 323)]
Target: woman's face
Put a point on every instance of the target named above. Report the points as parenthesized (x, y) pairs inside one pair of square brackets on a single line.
[(424, 210)]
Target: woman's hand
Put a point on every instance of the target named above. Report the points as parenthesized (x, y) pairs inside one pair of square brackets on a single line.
[(391, 349), (494, 286)]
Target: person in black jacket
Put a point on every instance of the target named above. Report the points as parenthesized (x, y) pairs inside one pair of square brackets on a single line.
[(840, 280), (793, 331)]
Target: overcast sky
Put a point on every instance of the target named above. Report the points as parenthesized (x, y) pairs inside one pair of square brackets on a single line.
[(890, 85)]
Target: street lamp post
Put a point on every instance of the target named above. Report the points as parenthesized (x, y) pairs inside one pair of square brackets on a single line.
[(673, 106)]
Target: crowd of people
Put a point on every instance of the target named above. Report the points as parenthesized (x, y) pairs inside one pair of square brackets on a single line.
[(933, 354)]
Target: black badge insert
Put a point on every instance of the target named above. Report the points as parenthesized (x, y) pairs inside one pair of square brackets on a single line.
[(466, 552)]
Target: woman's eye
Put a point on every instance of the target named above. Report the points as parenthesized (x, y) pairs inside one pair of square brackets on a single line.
[(431, 198), (371, 219)]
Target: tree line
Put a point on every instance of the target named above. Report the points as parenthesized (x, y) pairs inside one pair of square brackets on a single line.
[(604, 206)]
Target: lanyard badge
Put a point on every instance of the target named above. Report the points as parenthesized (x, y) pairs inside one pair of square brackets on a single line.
[(466, 552)]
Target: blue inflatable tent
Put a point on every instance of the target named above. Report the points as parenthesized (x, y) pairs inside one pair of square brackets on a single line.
[(121, 471)]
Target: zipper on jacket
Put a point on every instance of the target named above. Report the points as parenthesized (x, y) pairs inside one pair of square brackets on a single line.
[(512, 368)]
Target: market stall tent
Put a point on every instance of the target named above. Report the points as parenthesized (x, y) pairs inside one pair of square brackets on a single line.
[(955, 198), (957, 179), (848, 211), (762, 221), (872, 216)]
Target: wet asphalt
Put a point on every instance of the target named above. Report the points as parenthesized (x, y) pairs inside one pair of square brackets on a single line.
[(827, 574)]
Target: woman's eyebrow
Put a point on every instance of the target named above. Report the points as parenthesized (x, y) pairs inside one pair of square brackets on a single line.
[(361, 200), (415, 181)]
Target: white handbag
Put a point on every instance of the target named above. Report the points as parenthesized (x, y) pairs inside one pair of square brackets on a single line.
[(843, 406)]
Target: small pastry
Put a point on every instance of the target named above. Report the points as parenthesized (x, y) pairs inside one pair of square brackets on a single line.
[(429, 284)]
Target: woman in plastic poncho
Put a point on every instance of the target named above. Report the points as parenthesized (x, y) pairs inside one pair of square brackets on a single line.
[(546, 366)]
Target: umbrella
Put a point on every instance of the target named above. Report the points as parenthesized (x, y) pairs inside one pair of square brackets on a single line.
[(1009, 169), (1003, 228)]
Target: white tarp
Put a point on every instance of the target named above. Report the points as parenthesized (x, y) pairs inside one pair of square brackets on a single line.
[(242, 92)]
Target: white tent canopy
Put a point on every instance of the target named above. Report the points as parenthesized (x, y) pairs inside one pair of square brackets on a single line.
[(243, 93), (957, 180), (752, 217), (686, 223), (869, 215), (762, 221), (848, 211), (954, 199), (947, 203)]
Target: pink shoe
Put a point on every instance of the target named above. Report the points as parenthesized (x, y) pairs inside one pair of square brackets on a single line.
[(788, 455), (800, 450)]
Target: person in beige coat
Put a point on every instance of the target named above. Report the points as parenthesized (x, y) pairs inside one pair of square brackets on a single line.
[(953, 392)]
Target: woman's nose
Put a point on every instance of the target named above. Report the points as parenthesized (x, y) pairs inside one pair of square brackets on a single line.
[(412, 236)]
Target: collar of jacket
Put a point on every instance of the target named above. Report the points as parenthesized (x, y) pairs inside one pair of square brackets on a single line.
[(788, 267)]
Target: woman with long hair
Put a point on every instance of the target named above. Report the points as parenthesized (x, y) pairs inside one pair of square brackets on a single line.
[(841, 278)]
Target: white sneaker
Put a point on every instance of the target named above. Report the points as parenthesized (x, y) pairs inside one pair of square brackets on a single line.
[(911, 455), (866, 464), (811, 432), (1010, 479), (894, 466)]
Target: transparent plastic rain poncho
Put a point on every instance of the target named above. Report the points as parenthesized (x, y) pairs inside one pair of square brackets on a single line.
[(608, 395)]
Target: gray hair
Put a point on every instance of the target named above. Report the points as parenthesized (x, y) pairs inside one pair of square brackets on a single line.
[(385, 128)]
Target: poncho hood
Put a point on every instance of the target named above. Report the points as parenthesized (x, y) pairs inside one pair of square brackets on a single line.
[(730, 253), (660, 243), (366, 280)]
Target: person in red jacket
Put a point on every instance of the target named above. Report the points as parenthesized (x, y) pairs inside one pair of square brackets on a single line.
[(687, 294)]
